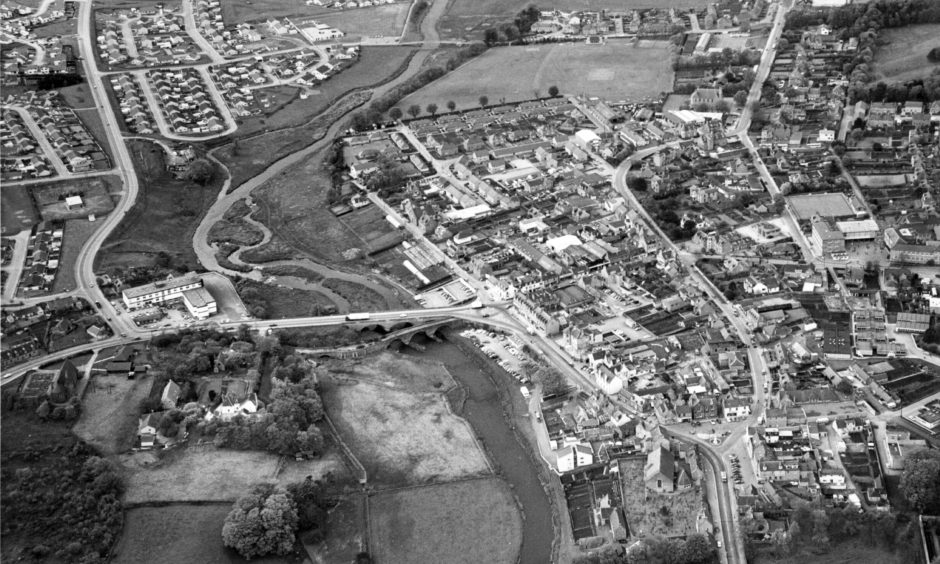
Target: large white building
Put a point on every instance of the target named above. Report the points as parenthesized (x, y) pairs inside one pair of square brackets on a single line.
[(200, 303), (189, 287)]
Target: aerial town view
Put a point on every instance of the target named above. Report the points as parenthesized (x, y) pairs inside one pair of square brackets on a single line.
[(470, 281)]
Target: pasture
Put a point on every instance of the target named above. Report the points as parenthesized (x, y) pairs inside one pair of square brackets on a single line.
[(902, 52), (615, 71), (178, 533), (463, 522), (403, 437)]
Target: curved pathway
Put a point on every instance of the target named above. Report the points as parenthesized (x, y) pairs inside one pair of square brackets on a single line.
[(206, 252)]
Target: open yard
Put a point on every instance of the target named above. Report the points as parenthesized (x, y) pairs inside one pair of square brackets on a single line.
[(465, 522), (177, 533), (403, 437), (383, 21), (651, 513), (17, 210), (406, 373), (163, 218), (94, 192), (844, 553), (110, 411), (205, 473), (469, 18), (902, 52), (374, 66), (614, 71)]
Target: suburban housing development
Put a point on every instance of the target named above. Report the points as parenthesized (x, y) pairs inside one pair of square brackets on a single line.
[(427, 281)]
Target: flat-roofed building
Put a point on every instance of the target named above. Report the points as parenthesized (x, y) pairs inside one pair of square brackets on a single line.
[(833, 206), (825, 239), (200, 303), (860, 230), (160, 291), (913, 322)]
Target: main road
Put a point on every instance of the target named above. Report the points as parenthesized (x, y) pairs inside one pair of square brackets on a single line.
[(124, 165)]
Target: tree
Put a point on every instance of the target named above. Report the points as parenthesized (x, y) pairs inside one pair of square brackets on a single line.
[(934, 55), (553, 91), (431, 108), (697, 549), (395, 113), (451, 105), (262, 522), (484, 101), (200, 171), (311, 503), (491, 37), (414, 110), (740, 98), (920, 481)]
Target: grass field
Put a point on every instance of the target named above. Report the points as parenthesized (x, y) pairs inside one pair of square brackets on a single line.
[(465, 522), (164, 217), (77, 231), (110, 412), (275, 249), (383, 21), (615, 71), (375, 64), (177, 533), (902, 52), (236, 231), (211, 474), (95, 192), (403, 437), (359, 297), (281, 303), (239, 11), (400, 372), (17, 209), (468, 18)]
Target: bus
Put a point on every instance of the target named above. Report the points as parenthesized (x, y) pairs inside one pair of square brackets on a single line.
[(357, 316)]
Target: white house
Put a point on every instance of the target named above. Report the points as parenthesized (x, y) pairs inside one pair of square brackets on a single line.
[(170, 395), (574, 456), (736, 408), (832, 478), (160, 291), (200, 303), (229, 409), (147, 431)]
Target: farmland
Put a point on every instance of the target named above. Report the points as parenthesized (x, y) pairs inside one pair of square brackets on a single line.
[(177, 533), (239, 11), (902, 52), (163, 218), (480, 518), (392, 414), (617, 71), (209, 474)]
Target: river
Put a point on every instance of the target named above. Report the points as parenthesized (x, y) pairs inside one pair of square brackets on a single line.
[(484, 411)]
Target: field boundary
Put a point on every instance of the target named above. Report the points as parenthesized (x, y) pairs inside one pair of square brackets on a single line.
[(347, 452)]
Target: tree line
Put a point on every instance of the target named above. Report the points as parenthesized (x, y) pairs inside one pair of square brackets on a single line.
[(694, 549)]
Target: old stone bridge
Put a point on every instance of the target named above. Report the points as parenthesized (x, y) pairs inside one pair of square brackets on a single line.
[(402, 332)]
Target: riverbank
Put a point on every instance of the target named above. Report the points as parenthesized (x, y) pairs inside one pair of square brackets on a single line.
[(489, 402)]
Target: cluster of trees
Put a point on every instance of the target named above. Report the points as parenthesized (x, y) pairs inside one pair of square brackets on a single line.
[(920, 482), (553, 382), (727, 57), (513, 32), (67, 412), (375, 113), (252, 294), (287, 427), (822, 529), (695, 549), (664, 213), (200, 171), (934, 55), (268, 519), (70, 507)]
